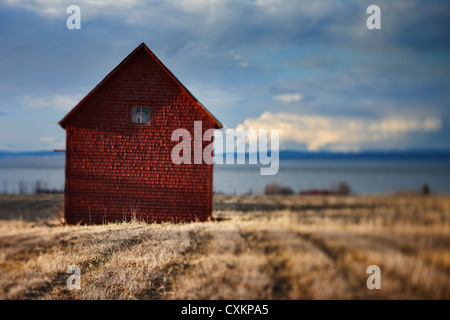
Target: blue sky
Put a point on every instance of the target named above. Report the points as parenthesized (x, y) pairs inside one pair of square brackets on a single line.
[(311, 69)]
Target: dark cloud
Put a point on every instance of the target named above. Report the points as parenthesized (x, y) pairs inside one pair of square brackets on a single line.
[(235, 56)]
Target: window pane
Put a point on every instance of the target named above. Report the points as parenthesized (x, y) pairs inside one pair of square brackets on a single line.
[(146, 111), (140, 114)]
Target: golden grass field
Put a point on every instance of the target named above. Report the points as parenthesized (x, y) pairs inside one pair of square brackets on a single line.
[(256, 247)]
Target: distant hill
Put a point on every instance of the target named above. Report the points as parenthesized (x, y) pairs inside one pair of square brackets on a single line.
[(363, 155), (32, 159), (292, 155), (15, 154)]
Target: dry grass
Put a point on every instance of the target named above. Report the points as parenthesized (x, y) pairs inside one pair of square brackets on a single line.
[(274, 247)]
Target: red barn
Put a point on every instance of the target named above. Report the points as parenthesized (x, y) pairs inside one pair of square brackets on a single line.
[(118, 148)]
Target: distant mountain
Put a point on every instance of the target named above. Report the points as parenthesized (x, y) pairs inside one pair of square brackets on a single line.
[(32, 159), (46, 153), (362, 155), (292, 155), (366, 155)]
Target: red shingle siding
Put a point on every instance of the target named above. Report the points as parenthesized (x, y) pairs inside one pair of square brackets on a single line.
[(114, 169)]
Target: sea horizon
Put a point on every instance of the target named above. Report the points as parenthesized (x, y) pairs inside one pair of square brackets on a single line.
[(367, 172)]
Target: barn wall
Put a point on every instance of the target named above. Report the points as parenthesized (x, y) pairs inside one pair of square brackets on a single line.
[(115, 170)]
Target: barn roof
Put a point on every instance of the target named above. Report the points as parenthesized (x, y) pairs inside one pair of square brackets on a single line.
[(63, 122)]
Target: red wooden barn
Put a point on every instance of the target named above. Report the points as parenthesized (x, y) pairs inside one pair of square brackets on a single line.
[(118, 148)]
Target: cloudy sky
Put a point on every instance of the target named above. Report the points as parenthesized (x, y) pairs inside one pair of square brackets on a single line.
[(309, 68)]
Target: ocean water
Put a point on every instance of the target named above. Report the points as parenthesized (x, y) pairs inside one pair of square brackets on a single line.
[(23, 174), (363, 176)]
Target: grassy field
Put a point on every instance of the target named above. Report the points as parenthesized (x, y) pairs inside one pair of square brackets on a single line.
[(256, 247)]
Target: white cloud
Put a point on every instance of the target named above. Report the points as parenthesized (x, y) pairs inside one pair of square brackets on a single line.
[(57, 8), (242, 62), (215, 13), (338, 133), (53, 142), (288, 97), (406, 125), (55, 102)]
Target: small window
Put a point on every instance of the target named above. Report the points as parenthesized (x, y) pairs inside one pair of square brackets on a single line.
[(140, 115)]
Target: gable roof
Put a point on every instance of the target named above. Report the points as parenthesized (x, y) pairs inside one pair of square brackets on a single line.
[(63, 122)]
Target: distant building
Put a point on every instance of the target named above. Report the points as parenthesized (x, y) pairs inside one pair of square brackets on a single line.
[(118, 148)]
